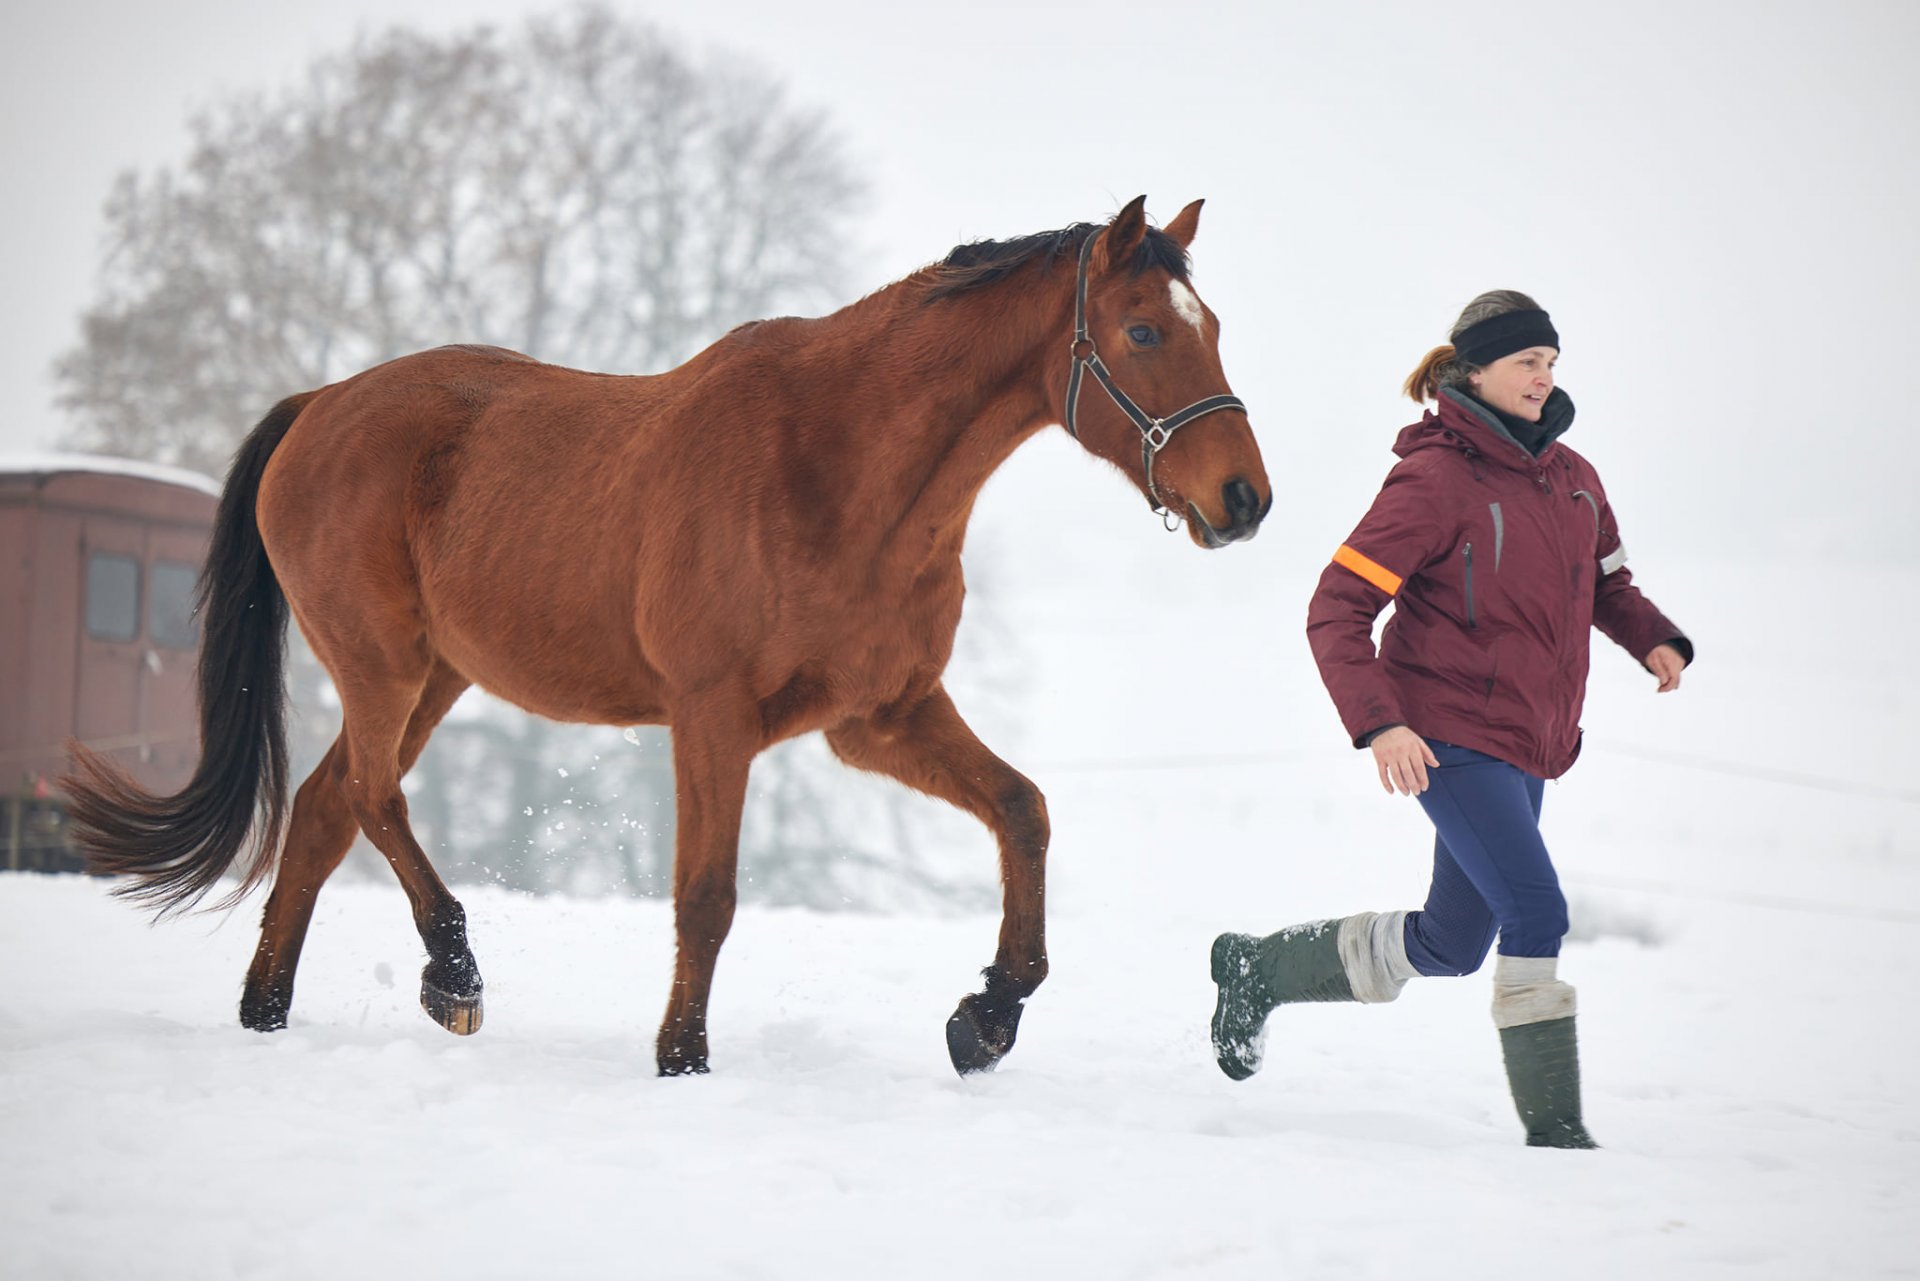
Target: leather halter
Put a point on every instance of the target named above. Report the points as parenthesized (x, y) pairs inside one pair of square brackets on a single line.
[(1154, 432)]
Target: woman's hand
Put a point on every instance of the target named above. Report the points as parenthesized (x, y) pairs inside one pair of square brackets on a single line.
[(1666, 663), (1402, 757)]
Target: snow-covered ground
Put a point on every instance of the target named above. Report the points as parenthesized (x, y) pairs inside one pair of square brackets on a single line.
[(1743, 860)]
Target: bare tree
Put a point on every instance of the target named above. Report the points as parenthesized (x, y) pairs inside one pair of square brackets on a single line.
[(578, 189)]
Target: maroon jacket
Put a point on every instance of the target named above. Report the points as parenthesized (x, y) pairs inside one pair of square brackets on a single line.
[(1498, 564)]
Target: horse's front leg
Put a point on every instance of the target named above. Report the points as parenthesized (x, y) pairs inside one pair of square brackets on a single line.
[(928, 747), (713, 748)]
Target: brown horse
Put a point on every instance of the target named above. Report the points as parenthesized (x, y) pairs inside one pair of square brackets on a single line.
[(762, 542)]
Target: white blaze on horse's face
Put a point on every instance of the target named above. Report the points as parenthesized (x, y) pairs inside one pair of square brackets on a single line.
[(1186, 303)]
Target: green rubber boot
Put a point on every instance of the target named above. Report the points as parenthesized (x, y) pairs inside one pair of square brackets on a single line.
[(1543, 1067), (1257, 975)]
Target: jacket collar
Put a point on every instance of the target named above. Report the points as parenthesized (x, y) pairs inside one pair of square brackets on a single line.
[(1463, 423)]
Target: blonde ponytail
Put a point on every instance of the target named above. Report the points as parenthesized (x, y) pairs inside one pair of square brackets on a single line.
[(1424, 383)]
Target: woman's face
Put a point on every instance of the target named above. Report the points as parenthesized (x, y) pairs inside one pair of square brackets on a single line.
[(1517, 384)]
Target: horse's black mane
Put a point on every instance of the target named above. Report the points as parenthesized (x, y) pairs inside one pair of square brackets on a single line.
[(983, 262)]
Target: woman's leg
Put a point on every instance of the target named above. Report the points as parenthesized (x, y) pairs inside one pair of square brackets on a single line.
[(1488, 815), (1453, 932)]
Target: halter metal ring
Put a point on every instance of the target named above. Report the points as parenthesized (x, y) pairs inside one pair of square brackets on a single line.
[(1158, 435)]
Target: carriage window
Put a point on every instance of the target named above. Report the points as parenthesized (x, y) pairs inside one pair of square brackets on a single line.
[(170, 620), (113, 597)]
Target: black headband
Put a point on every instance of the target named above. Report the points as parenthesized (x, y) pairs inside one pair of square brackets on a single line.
[(1483, 343)]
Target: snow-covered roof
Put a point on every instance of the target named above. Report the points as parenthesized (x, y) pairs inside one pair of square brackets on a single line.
[(46, 463)]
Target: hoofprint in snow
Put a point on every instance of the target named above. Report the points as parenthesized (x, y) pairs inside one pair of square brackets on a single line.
[(1743, 948)]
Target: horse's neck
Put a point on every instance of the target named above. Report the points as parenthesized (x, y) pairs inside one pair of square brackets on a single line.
[(970, 377)]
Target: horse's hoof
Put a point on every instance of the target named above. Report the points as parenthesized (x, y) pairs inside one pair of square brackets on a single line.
[(976, 1040), (460, 1015), (263, 1014), (683, 1065)]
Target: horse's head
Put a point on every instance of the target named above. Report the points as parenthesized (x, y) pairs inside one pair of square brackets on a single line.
[(1166, 417)]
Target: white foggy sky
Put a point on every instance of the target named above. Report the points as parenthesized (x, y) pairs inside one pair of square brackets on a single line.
[(1715, 200)]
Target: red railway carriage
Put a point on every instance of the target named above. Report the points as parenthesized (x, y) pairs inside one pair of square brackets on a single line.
[(98, 641)]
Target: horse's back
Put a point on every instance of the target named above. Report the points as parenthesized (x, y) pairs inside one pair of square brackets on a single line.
[(360, 444), (509, 511), (484, 350), (460, 495)]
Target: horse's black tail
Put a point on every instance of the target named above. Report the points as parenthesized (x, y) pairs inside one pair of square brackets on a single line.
[(174, 848)]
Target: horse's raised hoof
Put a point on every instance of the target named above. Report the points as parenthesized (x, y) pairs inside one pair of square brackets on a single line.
[(981, 1032), (460, 1015), (450, 990)]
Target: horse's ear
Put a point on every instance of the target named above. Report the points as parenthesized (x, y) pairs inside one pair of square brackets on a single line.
[(1181, 229), (1124, 234)]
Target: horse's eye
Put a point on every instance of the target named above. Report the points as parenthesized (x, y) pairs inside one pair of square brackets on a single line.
[(1143, 335)]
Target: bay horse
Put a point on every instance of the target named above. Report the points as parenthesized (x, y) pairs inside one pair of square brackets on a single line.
[(762, 542)]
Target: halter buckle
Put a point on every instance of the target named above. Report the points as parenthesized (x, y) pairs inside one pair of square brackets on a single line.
[(1158, 435)]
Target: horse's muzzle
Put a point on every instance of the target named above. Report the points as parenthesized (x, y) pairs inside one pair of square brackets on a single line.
[(1244, 509)]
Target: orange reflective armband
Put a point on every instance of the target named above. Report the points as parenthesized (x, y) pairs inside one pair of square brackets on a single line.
[(1374, 572)]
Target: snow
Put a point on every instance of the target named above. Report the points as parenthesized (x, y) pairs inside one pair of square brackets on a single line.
[(104, 465), (1743, 948)]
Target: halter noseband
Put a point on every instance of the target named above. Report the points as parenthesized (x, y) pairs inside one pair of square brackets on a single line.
[(1154, 432)]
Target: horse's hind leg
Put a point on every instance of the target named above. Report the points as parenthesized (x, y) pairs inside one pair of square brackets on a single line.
[(929, 748), (377, 701), (318, 837)]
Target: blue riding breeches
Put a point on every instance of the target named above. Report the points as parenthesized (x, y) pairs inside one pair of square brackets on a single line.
[(1491, 871)]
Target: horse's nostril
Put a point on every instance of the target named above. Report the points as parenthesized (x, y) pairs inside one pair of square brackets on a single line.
[(1241, 500)]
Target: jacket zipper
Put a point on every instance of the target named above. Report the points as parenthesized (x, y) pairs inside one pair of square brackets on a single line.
[(1566, 617), (1468, 553)]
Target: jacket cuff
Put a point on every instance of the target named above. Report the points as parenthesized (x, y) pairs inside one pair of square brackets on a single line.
[(1366, 740)]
